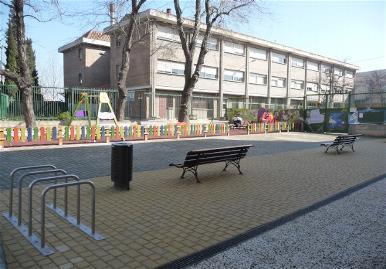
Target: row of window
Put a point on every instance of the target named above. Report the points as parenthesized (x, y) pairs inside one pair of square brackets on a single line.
[(175, 68), (255, 53)]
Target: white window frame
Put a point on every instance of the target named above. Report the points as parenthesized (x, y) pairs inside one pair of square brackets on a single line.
[(208, 72), (212, 43), (167, 33), (233, 75), (338, 71), (349, 74), (312, 87), (324, 88), (275, 82), (326, 68), (259, 79), (170, 68), (257, 53), (234, 48), (312, 66), (297, 84), (278, 58), (297, 62)]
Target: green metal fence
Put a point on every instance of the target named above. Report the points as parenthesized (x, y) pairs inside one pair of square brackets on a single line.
[(49, 102), (334, 112)]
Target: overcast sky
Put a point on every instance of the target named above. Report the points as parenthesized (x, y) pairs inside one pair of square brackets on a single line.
[(351, 31)]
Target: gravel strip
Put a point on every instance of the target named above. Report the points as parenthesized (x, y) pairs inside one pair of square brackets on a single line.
[(349, 233)]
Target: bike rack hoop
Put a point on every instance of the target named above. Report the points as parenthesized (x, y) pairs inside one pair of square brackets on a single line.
[(12, 175)]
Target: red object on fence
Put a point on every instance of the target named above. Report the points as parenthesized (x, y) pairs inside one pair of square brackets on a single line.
[(72, 133), (93, 138), (43, 135), (117, 134), (15, 135)]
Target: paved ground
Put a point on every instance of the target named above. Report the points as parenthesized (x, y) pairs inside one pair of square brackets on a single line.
[(349, 233), (90, 162), (163, 218)]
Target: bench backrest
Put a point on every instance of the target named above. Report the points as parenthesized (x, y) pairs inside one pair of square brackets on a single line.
[(345, 139), (197, 157)]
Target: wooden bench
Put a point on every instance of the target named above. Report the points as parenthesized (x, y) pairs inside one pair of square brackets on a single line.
[(340, 142), (229, 155)]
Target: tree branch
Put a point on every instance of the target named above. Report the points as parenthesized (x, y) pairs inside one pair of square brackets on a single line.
[(181, 32), (10, 75), (6, 4)]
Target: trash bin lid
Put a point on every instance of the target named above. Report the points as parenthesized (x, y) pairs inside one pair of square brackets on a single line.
[(121, 144)]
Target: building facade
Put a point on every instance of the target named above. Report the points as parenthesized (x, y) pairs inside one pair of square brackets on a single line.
[(86, 61), (240, 71)]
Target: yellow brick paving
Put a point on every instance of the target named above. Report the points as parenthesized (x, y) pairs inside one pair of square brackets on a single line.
[(163, 218)]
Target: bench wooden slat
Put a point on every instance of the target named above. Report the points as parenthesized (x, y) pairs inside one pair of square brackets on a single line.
[(208, 154), (218, 158), (220, 149)]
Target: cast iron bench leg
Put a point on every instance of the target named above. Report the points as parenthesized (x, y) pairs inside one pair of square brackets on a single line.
[(236, 163), (183, 173), (226, 165)]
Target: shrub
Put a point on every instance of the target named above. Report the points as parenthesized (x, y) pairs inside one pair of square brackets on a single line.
[(65, 118)]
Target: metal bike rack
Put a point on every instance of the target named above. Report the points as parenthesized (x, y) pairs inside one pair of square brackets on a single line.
[(89, 231), (27, 231), (20, 186), (53, 205), (12, 175)]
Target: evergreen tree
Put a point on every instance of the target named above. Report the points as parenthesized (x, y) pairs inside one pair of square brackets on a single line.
[(32, 62), (12, 55), (11, 50)]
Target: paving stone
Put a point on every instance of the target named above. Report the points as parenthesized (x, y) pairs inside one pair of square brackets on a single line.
[(166, 216)]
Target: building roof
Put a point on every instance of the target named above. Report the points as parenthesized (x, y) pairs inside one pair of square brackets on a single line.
[(171, 19), (92, 34), (91, 37)]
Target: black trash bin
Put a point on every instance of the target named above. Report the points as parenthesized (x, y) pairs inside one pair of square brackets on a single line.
[(122, 164)]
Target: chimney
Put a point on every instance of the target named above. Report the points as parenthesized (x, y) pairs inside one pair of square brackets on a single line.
[(169, 11), (112, 13)]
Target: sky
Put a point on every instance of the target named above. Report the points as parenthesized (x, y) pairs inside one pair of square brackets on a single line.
[(350, 31)]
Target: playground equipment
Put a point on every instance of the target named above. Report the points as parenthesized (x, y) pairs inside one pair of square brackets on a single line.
[(104, 99), (85, 100), (59, 174)]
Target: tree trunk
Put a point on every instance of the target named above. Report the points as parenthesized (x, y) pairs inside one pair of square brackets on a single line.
[(183, 113), (27, 105), (122, 91), (24, 81), (190, 83), (125, 65)]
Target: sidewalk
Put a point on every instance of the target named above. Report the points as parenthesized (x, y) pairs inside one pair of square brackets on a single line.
[(349, 233), (163, 218)]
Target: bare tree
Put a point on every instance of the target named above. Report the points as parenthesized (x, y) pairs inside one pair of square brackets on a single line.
[(214, 12), (23, 80), (376, 82), (52, 73), (127, 33), (336, 85)]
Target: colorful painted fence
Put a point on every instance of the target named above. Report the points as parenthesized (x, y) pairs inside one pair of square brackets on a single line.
[(85, 134)]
